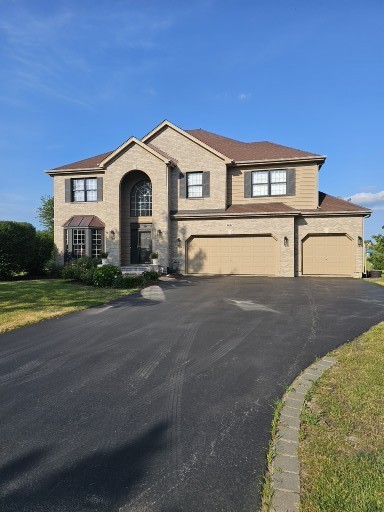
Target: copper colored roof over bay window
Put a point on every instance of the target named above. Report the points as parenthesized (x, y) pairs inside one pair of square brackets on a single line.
[(84, 221)]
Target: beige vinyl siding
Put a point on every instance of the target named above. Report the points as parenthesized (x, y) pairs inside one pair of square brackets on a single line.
[(247, 255), (306, 196), (328, 255)]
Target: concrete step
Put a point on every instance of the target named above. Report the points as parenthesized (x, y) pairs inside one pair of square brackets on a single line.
[(135, 269)]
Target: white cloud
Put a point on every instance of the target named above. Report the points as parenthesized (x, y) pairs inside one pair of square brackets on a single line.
[(244, 96), (370, 199)]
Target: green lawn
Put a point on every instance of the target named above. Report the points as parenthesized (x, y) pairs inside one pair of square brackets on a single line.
[(342, 434), (379, 281), (26, 302)]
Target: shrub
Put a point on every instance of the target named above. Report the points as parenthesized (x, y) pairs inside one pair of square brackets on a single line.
[(52, 269), (130, 281), (151, 275), (43, 252), (105, 276), (83, 267), (86, 275), (17, 248)]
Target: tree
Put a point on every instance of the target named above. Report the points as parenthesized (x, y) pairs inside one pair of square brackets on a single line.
[(17, 248), (23, 249), (377, 256), (45, 213)]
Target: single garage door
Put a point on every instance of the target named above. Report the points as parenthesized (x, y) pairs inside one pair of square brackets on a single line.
[(328, 255), (232, 255)]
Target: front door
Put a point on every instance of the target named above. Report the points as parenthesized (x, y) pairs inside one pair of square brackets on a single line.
[(141, 246)]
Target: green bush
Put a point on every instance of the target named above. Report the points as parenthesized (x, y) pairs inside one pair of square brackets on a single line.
[(129, 281), (17, 248), (83, 267), (53, 270), (105, 276), (43, 252), (151, 275), (377, 256)]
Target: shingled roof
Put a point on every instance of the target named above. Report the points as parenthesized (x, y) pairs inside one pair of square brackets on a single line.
[(87, 163), (233, 149), (334, 204), (250, 151)]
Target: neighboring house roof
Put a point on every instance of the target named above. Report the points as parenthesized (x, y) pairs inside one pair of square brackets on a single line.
[(328, 203), (84, 221), (250, 151)]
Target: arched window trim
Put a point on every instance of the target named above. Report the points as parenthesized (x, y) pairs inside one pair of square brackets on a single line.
[(141, 199)]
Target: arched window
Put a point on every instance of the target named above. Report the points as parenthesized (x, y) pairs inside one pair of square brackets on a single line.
[(141, 199)]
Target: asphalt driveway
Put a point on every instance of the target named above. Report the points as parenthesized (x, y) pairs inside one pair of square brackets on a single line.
[(163, 402)]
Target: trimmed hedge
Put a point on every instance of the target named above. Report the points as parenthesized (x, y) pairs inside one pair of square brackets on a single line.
[(23, 249)]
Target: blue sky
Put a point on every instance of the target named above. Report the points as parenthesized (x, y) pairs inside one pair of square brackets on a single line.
[(80, 77)]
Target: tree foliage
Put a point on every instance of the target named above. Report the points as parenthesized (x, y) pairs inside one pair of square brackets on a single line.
[(377, 256), (45, 213), (22, 249)]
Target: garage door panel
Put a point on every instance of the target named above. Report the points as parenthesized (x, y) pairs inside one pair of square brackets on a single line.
[(233, 255), (328, 255)]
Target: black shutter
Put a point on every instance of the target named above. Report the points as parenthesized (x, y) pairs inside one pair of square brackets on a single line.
[(68, 190), (182, 185), (206, 179), (291, 182), (248, 184), (99, 189)]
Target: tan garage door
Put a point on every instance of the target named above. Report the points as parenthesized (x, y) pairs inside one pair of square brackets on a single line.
[(233, 255), (328, 255)]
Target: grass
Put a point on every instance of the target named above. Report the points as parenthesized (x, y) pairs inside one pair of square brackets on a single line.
[(378, 281), (27, 302), (266, 495), (341, 446)]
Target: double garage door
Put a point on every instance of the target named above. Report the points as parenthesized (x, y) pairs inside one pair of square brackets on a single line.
[(256, 255), (328, 255), (331, 254)]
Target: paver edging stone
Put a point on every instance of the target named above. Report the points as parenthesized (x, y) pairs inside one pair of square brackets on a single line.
[(285, 477)]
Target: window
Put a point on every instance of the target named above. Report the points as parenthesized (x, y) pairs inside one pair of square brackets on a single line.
[(269, 183), (84, 189), (78, 242), (141, 199), (194, 184), (96, 243)]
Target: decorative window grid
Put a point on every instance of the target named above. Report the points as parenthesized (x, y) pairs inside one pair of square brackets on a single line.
[(195, 184)]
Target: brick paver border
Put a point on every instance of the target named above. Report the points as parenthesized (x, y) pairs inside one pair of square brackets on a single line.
[(285, 477)]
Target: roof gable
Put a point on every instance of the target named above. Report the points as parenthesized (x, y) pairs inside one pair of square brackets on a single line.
[(125, 147), (167, 124)]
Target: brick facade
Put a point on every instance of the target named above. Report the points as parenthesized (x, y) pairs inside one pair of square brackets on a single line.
[(170, 230)]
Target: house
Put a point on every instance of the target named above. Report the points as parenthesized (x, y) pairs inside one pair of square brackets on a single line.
[(208, 205)]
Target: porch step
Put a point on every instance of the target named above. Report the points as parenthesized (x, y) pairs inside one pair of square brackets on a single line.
[(135, 269)]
